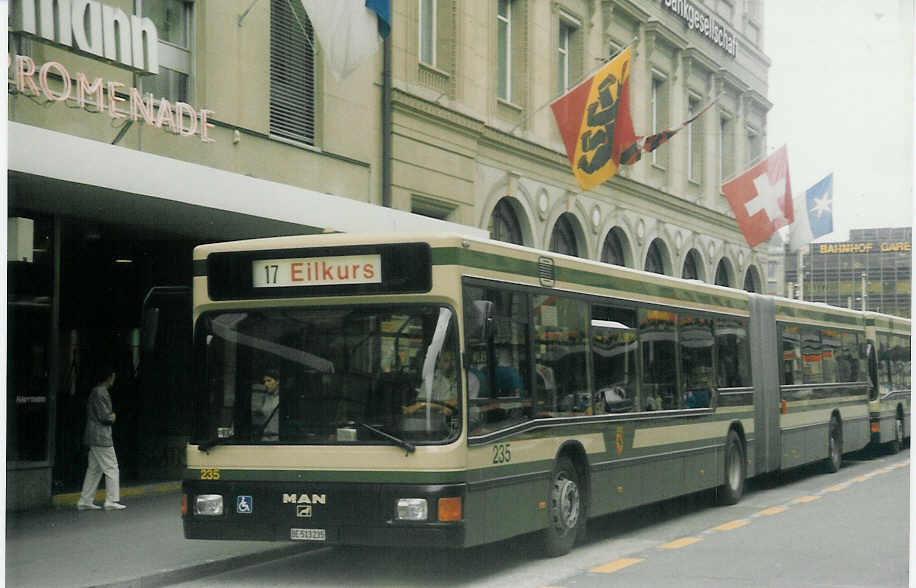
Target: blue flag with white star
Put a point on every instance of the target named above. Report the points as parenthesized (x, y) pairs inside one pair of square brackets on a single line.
[(813, 214)]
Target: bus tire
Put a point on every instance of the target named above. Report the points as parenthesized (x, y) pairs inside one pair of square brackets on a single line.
[(897, 443), (735, 471), (834, 447), (564, 509)]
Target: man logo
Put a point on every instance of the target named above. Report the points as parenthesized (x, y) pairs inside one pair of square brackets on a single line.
[(304, 511), (304, 498)]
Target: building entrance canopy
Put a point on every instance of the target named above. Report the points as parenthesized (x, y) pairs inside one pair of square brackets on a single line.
[(85, 178)]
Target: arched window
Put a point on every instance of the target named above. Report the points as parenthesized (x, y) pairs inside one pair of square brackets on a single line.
[(691, 269), (563, 239), (504, 225), (655, 262), (612, 251), (723, 275), (752, 280)]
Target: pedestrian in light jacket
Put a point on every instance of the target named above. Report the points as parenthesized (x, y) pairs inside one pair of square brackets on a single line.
[(102, 458)]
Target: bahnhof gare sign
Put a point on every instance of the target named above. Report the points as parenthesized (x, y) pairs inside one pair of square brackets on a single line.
[(105, 32), (862, 247)]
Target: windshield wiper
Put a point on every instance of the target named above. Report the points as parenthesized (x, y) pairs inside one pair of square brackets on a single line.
[(405, 445)]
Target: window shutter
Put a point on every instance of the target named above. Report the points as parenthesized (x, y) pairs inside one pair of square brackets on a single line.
[(292, 72)]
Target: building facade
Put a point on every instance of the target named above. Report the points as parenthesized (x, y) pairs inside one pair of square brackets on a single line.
[(140, 128), (872, 271), (475, 139)]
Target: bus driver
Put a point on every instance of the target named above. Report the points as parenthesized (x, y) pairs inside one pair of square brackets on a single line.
[(443, 394)]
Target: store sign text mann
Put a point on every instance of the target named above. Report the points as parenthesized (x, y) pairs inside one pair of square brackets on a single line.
[(92, 28)]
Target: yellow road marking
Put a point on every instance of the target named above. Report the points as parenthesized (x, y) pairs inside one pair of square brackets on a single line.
[(860, 479), (615, 565), (773, 510), (677, 544), (836, 488), (807, 499), (731, 526)]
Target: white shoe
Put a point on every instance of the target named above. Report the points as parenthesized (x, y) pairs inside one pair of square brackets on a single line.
[(90, 506), (114, 506)]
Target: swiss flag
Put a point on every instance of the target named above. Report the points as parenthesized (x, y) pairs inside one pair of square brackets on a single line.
[(761, 198)]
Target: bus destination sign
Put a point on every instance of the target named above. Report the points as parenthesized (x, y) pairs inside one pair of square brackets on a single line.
[(349, 270), (316, 271)]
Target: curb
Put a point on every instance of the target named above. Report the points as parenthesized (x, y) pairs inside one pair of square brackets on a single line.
[(70, 499), (208, 568)]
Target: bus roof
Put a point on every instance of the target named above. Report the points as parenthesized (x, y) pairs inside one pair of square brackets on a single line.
[(488, 258)]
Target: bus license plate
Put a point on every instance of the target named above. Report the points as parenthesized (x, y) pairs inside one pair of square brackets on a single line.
[(307, 534)]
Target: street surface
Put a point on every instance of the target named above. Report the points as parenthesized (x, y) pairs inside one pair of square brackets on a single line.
[(805, 528)]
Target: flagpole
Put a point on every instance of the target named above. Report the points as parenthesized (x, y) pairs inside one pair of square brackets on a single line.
[(833, 188), (579, 81), (800, 268)]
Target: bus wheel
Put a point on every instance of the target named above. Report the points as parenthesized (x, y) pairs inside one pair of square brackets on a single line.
[(564, 506), (835, 454), (897, 443), (735, 471)]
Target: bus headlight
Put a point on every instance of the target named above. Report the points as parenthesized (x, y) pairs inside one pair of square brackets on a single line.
[(412, 509), (208, 505)]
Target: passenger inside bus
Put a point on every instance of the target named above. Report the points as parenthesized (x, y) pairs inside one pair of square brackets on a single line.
[(699, 388), (508, 380), (265, 404)]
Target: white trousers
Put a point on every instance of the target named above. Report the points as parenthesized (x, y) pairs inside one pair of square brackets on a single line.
[(102, 460)]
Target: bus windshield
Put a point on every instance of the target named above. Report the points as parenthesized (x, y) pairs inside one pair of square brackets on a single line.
[(330, 375)]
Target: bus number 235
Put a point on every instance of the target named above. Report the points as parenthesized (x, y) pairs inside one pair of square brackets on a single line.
[(502, 453)]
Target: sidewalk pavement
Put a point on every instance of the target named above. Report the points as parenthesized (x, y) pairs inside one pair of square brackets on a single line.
[(140, 546)]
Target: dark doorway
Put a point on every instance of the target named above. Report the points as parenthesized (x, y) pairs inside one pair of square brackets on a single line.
[(105, 273)]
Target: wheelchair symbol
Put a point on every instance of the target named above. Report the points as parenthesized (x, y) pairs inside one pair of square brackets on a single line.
[(243, 504)]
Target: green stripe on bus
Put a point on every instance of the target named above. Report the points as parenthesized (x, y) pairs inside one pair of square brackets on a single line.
[(500, 263), (479, 259), (786, 312), (821, 407), (367, 477)]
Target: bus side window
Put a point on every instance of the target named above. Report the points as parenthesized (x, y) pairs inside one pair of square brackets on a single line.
[(884, 363), (732, 353), (848, 358), (560, 356), (791, 355), (496, 357), (900, 354), (696, 348), (830, 352), (657, 338), (613, 351), (812, 356)]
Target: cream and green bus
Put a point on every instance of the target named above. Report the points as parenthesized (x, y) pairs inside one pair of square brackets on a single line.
[(889, 406), (447, 391)]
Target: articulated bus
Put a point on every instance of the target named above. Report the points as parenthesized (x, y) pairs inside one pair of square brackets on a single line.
[(889, 405), (447, 391)]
